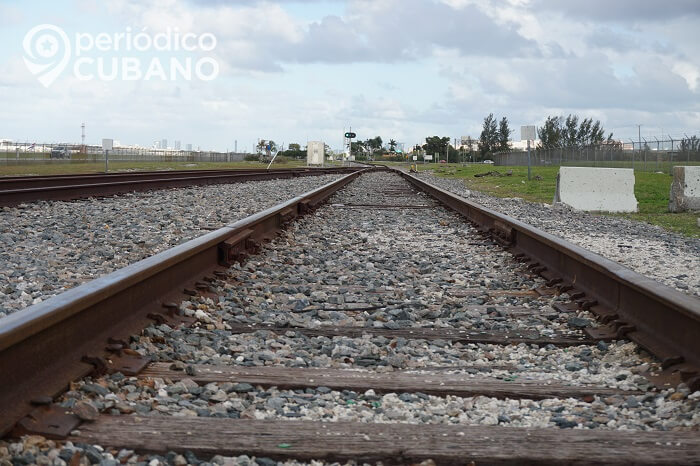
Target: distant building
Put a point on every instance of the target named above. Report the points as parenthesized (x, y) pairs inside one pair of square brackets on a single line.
[(177, 145), (189, 147), (522, 145), (164, 144)]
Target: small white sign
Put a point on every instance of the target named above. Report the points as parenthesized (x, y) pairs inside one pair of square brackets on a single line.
[(107, 144), (528, 133), (415, 157), (428, 157)]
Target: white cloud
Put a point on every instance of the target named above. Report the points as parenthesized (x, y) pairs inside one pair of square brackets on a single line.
[(689, 72), (283, 77)]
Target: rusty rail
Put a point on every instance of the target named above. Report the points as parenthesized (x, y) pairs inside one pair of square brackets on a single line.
[(16, 190), (662, 320), (42, 347)]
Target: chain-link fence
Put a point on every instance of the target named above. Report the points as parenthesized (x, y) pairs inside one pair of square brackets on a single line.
[(28, 153), (659, 156)]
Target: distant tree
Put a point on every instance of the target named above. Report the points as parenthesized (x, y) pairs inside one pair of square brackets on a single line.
[(470, 146), (571, 132), (358, 147), (551, 134), (691, 144), (261, 147), (374, 143), (504, 135), (488, 140), (436, 145), (583, 137), (294, 151), (392, 145), (598, 134)]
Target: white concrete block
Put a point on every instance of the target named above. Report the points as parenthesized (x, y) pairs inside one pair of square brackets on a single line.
[(685, 189), (596, 189), (315, 153)]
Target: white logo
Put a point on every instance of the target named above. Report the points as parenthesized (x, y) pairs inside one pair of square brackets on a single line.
[(127, 56), (47, 52)]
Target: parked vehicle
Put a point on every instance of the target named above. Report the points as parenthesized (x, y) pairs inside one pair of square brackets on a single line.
[(490, 162), (60, 153)]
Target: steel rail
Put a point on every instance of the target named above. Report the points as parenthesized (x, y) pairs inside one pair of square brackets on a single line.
[(662, 320), (40, 181), (13, 192), (41, 347)]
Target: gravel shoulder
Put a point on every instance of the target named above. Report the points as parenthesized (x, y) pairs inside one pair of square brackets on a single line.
[(360, 263), (649, 250), (49, 247)]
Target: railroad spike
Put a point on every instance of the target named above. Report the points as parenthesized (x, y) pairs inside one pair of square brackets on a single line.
[(554, 281), (99, 364), (672, 361), (42, 401)]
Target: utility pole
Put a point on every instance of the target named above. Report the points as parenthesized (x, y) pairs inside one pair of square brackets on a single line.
[(529, 164), (639, 128)]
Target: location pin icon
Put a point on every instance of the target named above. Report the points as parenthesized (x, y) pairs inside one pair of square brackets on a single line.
[(47, 52)]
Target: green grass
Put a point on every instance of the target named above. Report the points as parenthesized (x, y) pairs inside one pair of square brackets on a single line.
[(651, 189), (77, 167), (24, 155)]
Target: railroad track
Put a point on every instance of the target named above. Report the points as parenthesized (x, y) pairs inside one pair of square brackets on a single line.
[(385, 327), (19, 189)]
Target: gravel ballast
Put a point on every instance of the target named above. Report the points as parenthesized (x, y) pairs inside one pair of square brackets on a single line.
[(360, 263), (647, 249), (48, 247)]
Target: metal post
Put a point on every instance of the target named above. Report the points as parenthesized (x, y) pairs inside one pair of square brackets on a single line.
[(529, 172), (657, 151), (106, 161), (632, 154), (639, 128)]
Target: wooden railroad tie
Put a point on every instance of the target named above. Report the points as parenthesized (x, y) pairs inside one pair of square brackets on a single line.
[(391, 443), (430, 383)]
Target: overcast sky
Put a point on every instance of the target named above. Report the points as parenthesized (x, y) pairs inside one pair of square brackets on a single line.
[(294, 71)]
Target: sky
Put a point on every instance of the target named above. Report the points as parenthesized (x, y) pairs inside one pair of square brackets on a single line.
[(294, 71)]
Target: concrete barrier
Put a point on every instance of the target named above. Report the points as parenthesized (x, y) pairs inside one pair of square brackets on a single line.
[(596, 189), (685, 189)]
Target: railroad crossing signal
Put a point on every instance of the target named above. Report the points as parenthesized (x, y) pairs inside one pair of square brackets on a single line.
[(350, 135)]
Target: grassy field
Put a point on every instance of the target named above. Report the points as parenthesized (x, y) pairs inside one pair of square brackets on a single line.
[(652, 191), (64, 168)]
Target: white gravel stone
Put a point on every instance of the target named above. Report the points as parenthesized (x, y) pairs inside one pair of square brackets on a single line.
[(647, 249), (48, 247), (380, 268)]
